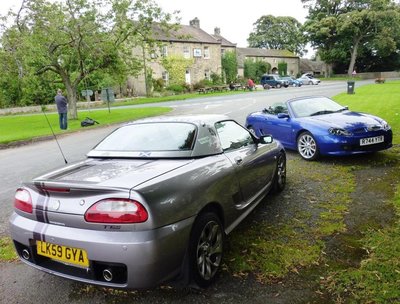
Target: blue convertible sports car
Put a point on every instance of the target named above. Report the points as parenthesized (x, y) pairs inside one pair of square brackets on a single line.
[(317, 126)]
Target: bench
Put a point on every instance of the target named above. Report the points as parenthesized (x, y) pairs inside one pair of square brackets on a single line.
[(204, 90)]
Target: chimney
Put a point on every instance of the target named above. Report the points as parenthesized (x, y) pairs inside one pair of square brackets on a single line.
[(217, 31), (195, 22)]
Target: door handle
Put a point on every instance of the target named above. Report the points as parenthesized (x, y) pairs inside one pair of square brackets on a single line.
[(238, 160)]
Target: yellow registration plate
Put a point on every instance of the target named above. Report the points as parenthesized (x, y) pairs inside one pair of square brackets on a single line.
[(65, 254)]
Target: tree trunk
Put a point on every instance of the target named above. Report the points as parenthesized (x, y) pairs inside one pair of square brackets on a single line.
[(353, 55), (72, 100), (71, 95)]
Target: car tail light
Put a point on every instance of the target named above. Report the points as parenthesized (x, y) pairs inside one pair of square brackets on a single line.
[(23, 200), (116, 210)]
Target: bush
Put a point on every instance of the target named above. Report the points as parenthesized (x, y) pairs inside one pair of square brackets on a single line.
[(202, 84), (177, 88), (158, 84), (216, 79)]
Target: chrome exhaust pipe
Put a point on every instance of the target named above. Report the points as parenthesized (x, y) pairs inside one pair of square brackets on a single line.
[(107, 275), (25, 254)]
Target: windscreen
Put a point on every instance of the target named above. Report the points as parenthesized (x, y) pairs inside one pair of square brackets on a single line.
[(314, 106), (162, 136)]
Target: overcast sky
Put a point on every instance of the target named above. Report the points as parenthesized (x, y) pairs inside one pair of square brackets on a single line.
[(235, 19)]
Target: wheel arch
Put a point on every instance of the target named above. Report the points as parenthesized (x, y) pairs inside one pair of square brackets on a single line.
[(216, 208), (299, 132)]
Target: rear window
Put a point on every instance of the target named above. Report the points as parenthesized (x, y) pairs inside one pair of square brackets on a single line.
[(162, 136)]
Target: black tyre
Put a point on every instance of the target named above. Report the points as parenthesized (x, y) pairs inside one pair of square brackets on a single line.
[(310, 82), (205, 249), (279, 181), (278, 85), (307, 146), (266, 87)]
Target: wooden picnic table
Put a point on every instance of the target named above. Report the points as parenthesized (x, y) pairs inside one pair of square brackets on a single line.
[(204, 90)]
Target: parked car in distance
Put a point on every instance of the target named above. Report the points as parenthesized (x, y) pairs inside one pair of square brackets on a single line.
[(308, 80), (311, 75), (317, 125), (273, 80), (292, 81), (152, 202)]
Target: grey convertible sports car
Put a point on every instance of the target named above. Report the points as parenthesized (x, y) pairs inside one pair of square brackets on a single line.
[(151, 203)]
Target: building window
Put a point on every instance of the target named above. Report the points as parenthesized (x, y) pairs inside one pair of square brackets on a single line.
[(164, 51), (206, 52), (165, 77), (207, 75), (186, 52), (196, 52), (222, 52)]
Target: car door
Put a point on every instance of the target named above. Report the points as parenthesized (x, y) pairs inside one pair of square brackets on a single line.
[(278, 124), (252, 163)]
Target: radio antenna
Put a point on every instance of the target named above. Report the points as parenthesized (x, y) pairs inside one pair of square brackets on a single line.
[(59, 147)]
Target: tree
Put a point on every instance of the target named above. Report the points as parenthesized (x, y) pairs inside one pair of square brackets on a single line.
[(282, 33), (343, 29), (255, 69), (76, 38), (282, 68), (230, 66)]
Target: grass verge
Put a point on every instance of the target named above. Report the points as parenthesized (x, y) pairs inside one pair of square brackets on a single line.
[(377, 279), (7, 251), (25, 127), (378, 99), (293, 239), (308, 231)]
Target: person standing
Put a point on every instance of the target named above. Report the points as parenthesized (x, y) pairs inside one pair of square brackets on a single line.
[(62, 109)]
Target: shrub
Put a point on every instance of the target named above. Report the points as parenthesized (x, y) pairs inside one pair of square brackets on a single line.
[(177, 88), (158, 84), (202, 84), (216, 79)]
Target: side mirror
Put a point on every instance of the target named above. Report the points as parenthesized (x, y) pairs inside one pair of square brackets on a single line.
[(266, 139), (283, 115)]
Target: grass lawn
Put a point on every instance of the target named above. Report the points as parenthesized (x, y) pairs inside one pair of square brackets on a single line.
[(382, 100), (25, 127), (144, 100)]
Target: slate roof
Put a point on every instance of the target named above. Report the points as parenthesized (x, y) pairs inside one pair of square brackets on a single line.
[(307, 65), (255, 52), (224, 42), (242, 53), (184, 33)]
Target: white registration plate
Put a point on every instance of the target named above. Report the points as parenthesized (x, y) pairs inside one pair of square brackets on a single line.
[(372, 140)]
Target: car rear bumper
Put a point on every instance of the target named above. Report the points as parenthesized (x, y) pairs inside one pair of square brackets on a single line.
[(137, 259)]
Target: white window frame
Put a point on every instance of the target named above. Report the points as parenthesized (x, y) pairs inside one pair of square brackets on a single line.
[(206, 52), (207, 74), (165, 77), (186, 52), (164, 51)]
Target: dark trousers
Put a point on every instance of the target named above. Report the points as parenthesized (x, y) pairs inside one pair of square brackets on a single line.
[(63, 121)]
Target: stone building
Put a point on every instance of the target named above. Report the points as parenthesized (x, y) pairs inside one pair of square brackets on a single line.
[(202, 50), (273, 57)]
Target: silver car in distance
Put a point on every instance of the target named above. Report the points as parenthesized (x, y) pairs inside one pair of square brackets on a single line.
[(151, 203)]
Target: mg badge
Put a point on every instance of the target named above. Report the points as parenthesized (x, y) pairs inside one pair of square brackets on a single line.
[(82, 202), (56, 205)]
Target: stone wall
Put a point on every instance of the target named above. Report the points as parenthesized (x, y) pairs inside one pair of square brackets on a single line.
[(374, 75)]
